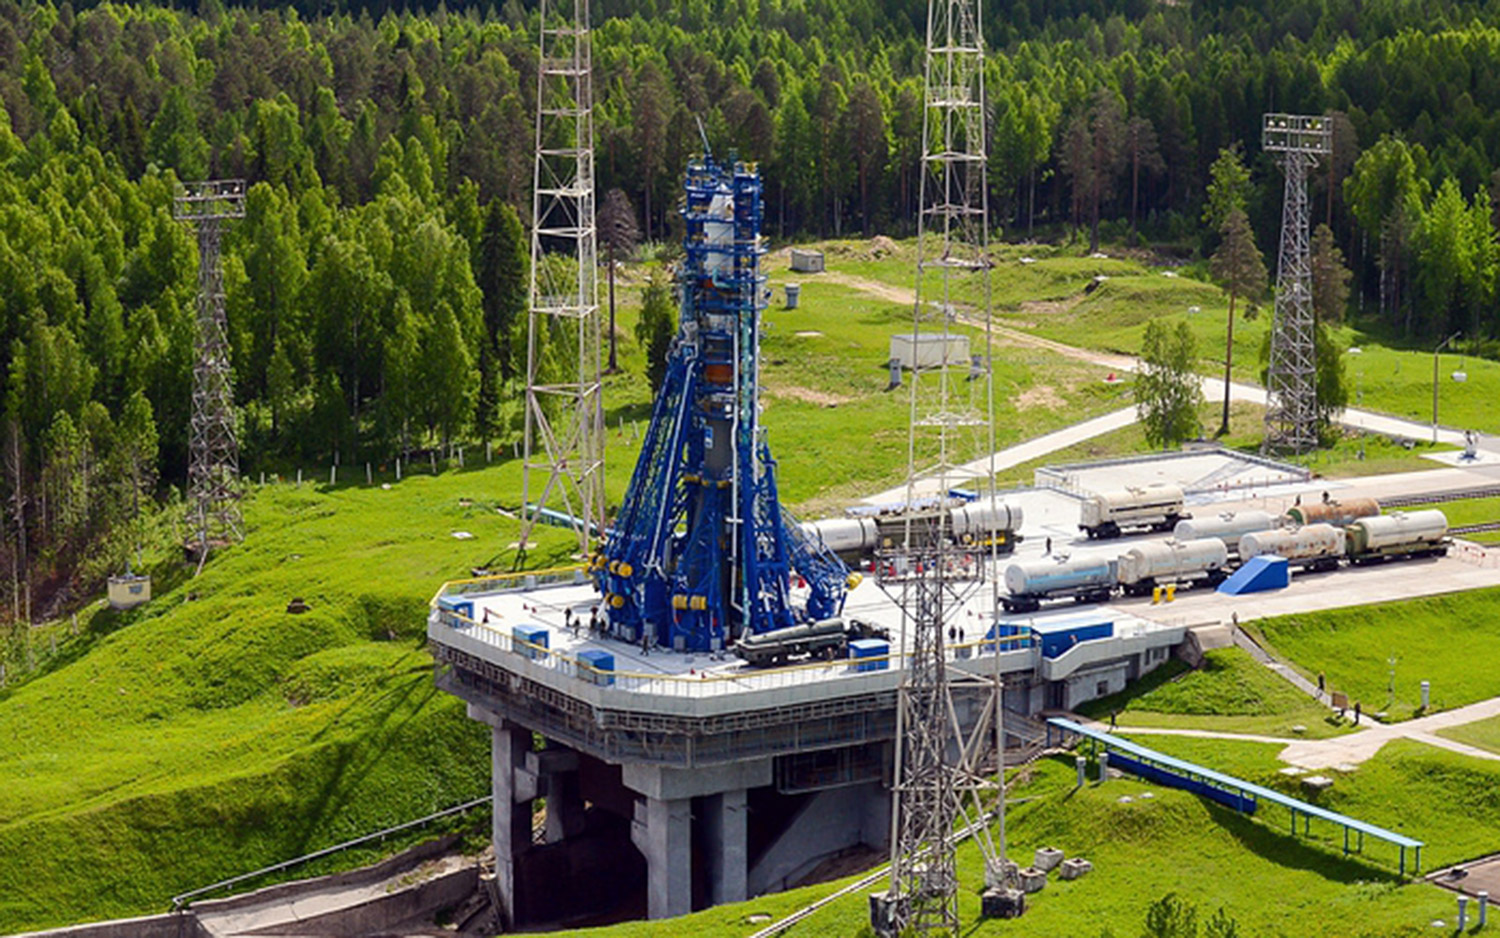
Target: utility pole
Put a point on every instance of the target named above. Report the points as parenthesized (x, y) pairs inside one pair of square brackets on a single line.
[(939, 783), (1291, 381), (1441, 345), (213, 450), (563, 456)]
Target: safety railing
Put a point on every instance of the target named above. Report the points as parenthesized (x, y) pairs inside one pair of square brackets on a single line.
[(506, 582), (702, 683)]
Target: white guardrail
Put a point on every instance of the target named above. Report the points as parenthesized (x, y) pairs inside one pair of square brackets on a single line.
[(693, 684)]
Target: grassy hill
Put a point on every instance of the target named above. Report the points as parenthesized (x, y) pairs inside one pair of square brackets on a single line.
[(211, 732)]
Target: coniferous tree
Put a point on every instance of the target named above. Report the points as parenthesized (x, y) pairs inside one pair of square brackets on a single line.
[(1239, 269), (620, 234)]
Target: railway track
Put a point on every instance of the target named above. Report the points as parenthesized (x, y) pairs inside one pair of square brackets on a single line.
[(1432, 498), (1475, 528)]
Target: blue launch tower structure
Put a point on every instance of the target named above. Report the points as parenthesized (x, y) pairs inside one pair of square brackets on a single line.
[(701, 551)]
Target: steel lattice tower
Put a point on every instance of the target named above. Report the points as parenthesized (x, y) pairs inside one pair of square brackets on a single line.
[(1291, 381), (214, 457), (564, 435), (940, 787)]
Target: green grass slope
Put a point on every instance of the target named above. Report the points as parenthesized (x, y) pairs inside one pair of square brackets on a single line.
[(1231, 692), (1435, 638), (193, 739)]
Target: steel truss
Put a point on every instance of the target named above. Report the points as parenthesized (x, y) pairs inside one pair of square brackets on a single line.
[(564, 423), (1291, 381), (213, 450), (939, 781)]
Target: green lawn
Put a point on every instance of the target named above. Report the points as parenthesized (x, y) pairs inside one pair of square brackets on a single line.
[(1465, 511), (1485, 734), (1231, 692), (1449, 801), (1435, 638)]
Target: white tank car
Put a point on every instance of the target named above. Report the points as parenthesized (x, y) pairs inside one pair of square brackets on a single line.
[(844, 535), (1145, 564), (1403, 532), (1228, 526), (977, 519), (1313, 545), (1056, 575), (1157, 506)]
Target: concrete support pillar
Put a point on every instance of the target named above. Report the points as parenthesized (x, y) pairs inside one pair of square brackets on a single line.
[(725, 831), (512, 810), (564, 807), (662, 832)]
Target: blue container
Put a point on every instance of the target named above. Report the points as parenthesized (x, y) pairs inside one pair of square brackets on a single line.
[(870, 648), (536, 635), (1059, 635), (457, 606), (600, 661)]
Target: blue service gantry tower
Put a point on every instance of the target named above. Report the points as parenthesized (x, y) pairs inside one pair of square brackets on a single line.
[(701, 551)]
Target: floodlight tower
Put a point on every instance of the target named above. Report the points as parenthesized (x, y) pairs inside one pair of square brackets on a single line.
[(939, 782), (1291, 382), (213, 452), (564, 424)]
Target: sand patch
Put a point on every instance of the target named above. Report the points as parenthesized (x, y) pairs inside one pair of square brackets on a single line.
[(1042, 395), (808, 395), (1044, 308)]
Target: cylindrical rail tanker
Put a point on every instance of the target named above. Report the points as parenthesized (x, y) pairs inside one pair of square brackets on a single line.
[(1155, 507), (1151, 563), (1401, 534), (1228, 527), (1313, 546), (1336, 512), (1085, 578), (847, 537), (978, 523)]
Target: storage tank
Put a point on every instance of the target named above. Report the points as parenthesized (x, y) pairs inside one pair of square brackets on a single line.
[(1171, 559), (844, 535), (1337, 512), (979, 518), (1228, 527), (1297, 545), (1038, 577), (1389, 533)]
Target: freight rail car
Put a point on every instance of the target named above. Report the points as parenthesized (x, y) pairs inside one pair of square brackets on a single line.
[(1156, 507), (978, 525)]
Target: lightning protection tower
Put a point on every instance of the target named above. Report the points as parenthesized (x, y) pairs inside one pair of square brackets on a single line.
[(564, 425), (940, 786), (1291, 381), (213, 452)]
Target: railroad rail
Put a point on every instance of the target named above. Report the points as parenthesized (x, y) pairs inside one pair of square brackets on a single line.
[(1432, 498), (1475, 528)]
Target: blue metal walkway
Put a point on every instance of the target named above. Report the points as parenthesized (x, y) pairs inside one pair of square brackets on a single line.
[(1238, 793)]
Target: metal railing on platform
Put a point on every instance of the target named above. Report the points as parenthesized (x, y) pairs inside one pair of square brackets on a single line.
[(698, 683)]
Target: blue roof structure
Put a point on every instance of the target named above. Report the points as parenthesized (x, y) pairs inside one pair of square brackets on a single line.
[(1229, 782)]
